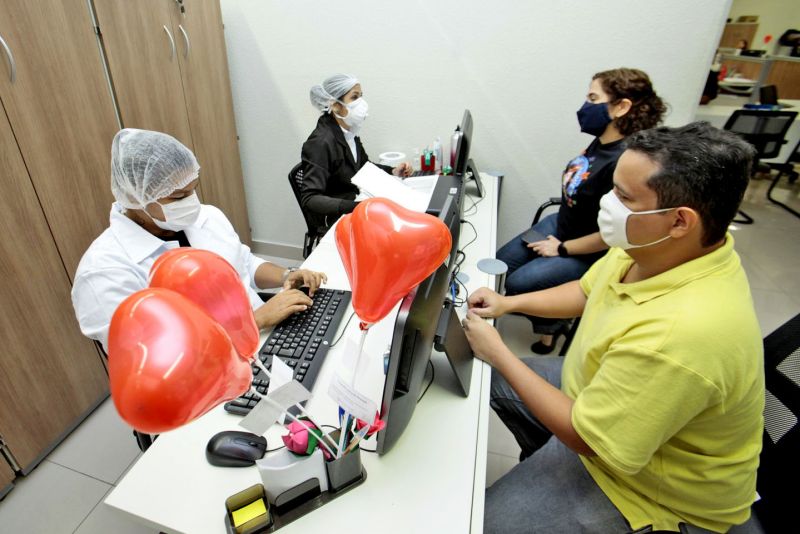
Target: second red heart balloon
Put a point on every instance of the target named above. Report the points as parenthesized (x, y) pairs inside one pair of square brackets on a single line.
[(387, 252), (212, 283)]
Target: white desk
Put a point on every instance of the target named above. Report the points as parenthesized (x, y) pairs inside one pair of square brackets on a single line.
[(431, 481), (718, 114)]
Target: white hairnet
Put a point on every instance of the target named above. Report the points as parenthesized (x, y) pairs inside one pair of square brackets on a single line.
[(147, 166), (331, 90)]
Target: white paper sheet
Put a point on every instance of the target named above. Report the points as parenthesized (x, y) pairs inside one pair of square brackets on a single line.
[(373, 182)]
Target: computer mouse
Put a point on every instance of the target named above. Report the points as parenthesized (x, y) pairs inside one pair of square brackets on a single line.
[(233, 448)]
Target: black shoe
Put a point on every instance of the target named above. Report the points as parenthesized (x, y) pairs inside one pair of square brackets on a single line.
[(541, 348)]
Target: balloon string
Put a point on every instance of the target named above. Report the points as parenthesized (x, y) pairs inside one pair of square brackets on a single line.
[(345, 426), (358, 357), (261, 366)]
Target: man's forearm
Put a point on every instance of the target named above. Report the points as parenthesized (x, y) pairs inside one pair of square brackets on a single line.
[(269, 275), (560, 302)]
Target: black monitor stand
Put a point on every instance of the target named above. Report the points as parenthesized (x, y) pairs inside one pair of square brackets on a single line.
[(451, 340), (471, 168)]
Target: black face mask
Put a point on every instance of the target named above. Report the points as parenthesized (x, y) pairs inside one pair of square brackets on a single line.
[(594, 118)]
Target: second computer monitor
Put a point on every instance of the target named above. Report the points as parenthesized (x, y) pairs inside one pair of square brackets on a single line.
[(463, 163), (464, 141)]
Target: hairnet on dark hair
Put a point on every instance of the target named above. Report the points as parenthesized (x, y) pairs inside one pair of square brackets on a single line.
[(147, 166)]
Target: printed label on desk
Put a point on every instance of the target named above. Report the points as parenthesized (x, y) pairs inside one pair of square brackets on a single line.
[(281, 374), (290, 394), (261, 417), (351, 400), (270, 408)]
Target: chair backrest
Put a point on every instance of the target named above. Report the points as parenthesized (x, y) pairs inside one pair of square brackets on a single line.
[(296, 181), (763, 129), (780, 457)]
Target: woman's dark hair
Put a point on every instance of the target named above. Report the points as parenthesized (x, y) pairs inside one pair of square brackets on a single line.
[(700, 167), (647, 108)]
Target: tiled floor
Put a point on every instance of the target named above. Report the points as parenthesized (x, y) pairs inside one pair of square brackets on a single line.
[(64, 494)]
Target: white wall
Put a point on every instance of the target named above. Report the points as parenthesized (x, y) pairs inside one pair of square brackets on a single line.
[(523, 69), (774, 18)]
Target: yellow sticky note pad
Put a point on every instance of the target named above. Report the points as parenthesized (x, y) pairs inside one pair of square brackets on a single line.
[(251, 511)]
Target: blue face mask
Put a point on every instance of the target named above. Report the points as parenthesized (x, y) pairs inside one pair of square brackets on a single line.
[(594, 118)]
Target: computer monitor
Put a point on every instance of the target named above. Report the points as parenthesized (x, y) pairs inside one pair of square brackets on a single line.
[(416, 325), (463, 164)]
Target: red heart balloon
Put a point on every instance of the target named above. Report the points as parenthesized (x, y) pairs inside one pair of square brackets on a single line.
[(212, 283), (391, 250), (342, 237), (169, 362)]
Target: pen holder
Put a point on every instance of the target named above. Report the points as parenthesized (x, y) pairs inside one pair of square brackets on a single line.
[(342, 471), (284, 471)]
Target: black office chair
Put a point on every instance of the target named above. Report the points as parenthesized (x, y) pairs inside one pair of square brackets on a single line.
[(787, 169), (313, 235), (780, 464), (765, 130)]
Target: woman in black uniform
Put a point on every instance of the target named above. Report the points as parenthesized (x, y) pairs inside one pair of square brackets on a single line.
[(333, 153)]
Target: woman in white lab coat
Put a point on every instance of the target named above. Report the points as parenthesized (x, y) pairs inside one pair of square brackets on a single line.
[(153, 179)]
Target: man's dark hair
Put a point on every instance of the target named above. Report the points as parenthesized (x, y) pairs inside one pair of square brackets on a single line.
[(701, 167)]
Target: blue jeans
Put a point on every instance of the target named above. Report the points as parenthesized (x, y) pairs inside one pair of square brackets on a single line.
[(527, 271), (550, 491)]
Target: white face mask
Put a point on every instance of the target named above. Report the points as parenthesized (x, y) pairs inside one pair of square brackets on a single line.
[(613, 222), (357, 113), (180, 214)]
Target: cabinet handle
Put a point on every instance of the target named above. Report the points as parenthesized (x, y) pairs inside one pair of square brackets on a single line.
[(171, 43), (12, 64), (186, 39)]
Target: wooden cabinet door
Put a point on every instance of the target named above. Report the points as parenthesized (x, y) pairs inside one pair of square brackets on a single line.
[(735, 32), (61, 111), (207, 86), (50, 374), (6, 476), (142, 52), (786, 76)]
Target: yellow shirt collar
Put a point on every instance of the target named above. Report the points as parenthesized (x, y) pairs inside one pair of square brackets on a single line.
[(676, 277)]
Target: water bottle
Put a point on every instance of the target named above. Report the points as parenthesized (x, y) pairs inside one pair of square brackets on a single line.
[(454, 147), (437, 152)]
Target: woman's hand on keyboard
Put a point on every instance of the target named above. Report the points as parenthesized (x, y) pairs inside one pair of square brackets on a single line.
[(304, 277), (282, 306)]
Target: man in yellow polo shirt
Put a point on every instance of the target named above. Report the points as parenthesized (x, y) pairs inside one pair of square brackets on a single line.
[(662, 392)]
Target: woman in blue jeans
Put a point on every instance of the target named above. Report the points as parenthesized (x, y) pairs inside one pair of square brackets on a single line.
[(619, 103)]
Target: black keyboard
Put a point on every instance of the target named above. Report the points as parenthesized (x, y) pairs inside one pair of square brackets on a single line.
[(422, 173), (302, 341)]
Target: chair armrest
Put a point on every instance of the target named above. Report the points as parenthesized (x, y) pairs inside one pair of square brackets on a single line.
[(552, 201)]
